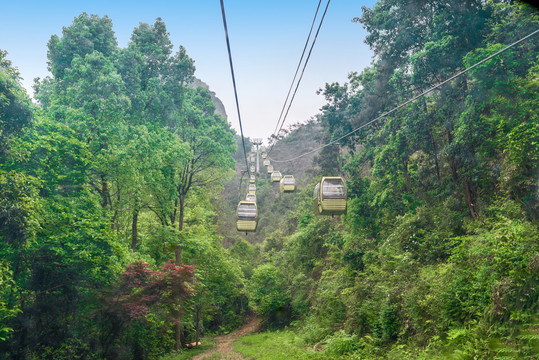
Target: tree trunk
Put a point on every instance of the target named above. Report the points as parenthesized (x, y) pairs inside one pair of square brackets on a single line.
[(114, 225), (134, 227), (178, 253), (469, 199), (104, 192), (180, 228), (197, 325), (177, 330)]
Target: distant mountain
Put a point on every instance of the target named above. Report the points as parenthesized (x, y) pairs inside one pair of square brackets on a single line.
[(219, 107)]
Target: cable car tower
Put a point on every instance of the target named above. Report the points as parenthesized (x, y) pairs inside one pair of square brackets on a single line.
[(257, 142)]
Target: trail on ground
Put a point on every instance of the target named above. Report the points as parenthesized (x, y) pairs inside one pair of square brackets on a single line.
[(224, 342)]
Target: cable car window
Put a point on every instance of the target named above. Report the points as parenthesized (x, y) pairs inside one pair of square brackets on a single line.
[(333, 189), (288, 180), (247, 212)]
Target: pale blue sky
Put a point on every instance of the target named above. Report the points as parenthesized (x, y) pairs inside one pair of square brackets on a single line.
[(266, 37)]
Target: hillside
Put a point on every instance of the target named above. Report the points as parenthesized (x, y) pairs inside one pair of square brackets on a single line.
[(272, 205)]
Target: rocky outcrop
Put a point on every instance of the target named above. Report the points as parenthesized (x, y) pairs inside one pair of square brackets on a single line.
[(219, 107)]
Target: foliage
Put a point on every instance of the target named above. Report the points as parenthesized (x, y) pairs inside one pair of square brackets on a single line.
[(278, 345), (266, 295), (116, 166), (436, 257), (122, 166)]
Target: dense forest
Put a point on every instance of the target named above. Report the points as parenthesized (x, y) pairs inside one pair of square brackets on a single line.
[(119, 183)]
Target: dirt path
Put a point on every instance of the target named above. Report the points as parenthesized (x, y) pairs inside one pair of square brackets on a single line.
[(224, 342)]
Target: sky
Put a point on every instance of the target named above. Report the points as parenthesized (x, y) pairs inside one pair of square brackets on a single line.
[(266, 39)]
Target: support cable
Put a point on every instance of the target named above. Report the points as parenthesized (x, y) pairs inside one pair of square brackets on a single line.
[(410, 100), (234, 84), (301, 76), (297, 69)]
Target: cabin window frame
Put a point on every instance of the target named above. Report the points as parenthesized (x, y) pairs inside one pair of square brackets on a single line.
[(341, 196)]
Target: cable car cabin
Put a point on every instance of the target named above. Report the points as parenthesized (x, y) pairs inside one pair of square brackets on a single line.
[(246, 216), (264, 155), (288, 184), (250, 197), (266, 162), (270, 169), (276, 176), (330, 196), (252, 188), (253, 168), (252, 179)]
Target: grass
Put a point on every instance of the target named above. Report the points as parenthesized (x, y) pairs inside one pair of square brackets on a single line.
[(207, 344), (277, 345)]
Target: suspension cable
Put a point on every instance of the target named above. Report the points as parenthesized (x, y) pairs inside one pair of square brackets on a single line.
[(302, 73), (410, 100), (297, 69), (234, 84)]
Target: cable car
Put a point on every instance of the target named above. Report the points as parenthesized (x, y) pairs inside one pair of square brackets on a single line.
[(252, 178), (264, 155), (250, 197), (276, 176), (329, 196), (270, 169), (253, 168), (252, 188), (246, 216), (288, 184), (266, 162)]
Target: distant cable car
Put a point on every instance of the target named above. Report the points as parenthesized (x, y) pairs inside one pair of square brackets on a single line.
[(329, 196), (288, 184), (264, 155), (270, 169), (252, 179), (276, 176), (266, 162), (250, 197), (246, 216), (252, 188), (252, 169)]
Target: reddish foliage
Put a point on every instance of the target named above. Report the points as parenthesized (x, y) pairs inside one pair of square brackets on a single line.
[(141, 287)]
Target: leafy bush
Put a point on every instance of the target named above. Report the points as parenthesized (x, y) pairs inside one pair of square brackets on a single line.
[(341, 343), (268, 294)]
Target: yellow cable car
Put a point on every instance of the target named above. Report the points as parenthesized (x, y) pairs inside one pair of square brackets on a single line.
[(252, 179), (252, 169), (250, 197), (270, 169), (288, 184), (264, 155), (330, 196), (266, 162), (246, 216), (276, 176), (252, 188)]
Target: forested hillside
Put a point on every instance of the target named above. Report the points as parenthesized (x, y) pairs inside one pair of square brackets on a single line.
[(438, 254), (118, 191), (107, 205)]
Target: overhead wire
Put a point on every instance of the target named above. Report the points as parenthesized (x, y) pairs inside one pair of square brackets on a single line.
[(297, 69), (234, 84), (410, 100), (302, 73)]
